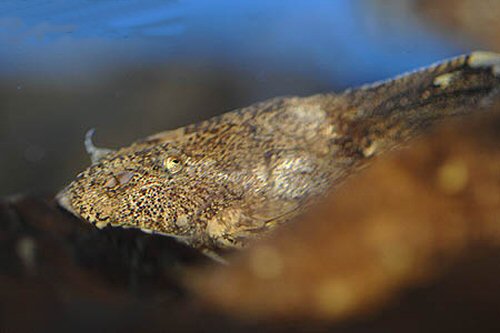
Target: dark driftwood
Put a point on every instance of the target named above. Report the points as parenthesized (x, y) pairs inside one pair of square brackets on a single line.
[(59, 274)]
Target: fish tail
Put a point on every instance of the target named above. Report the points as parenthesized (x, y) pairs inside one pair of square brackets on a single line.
[(390, 112)]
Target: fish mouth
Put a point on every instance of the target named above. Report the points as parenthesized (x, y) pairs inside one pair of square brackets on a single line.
[(63, 200)]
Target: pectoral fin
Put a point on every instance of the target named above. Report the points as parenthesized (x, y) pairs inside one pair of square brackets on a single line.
[(96, 154)]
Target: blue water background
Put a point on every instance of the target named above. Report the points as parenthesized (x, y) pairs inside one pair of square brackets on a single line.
[(332, 40)]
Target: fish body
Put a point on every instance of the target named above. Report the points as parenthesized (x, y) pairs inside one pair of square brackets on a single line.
[(224, 181)]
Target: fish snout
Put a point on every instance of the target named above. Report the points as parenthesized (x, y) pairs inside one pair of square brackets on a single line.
[(63, 199)]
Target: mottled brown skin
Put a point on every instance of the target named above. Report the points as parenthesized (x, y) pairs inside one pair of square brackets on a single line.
[(219, 183)]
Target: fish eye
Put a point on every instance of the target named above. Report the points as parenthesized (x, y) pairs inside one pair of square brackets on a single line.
[(173, 164)]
